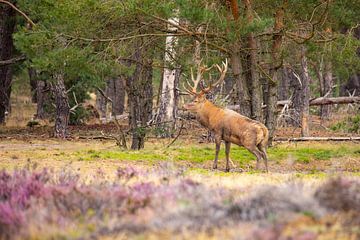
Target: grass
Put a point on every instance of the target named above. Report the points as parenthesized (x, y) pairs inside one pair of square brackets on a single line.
[(202, 153), (310, 158)]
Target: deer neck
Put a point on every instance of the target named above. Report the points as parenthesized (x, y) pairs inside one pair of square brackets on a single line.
[(205, 113)]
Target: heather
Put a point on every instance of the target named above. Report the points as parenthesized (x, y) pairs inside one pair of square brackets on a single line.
[(138, 202)]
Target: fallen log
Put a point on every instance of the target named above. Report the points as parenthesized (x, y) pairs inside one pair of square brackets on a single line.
[(314, 102), (327, 101), (303, 139)]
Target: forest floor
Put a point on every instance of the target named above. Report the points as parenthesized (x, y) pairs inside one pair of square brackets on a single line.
[(91, 189), (311, 165)]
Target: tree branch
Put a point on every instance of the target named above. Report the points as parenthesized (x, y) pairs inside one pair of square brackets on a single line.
[(12, 60), (19, 11)]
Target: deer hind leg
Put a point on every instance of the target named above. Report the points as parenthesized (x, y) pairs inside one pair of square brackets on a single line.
[(227, 152), (258, 154), (264, 156), (217, 143)]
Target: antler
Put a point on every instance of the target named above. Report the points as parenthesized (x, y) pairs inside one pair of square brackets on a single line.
[(200, 71), (222, 70)]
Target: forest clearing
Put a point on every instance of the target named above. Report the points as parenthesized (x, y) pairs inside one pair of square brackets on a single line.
[(143, 119)]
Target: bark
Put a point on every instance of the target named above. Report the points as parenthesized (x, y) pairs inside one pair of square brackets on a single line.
[(139, 90), (242, 88), (33, 83), (41, 98), (305, 113), (283, 90), (297, 103), (252, 74), (236, 66), (62, 107), (167, 111), (325, 110), (101, 103), (271, 97), (7, 27), (116, 91)]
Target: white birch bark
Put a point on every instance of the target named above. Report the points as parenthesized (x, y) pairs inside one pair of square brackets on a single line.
[(168, 97)]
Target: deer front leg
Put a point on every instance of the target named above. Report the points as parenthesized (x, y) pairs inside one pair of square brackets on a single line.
[(217, 143), (227, 152)]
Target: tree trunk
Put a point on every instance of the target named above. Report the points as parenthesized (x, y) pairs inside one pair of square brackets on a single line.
[(271, 98), (33, 83), (167, 111), (139, 89), (283, 90), (253, 76), (62, 107), (305, 113), (101, 103), (296, 100), (325, 110), (7, 27), (115, 90), (41, 98), (237, 70), (242, 88)]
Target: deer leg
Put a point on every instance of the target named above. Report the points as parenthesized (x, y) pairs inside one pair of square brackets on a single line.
[(264, 156), (258, 154), (227, 152), (217, 143)]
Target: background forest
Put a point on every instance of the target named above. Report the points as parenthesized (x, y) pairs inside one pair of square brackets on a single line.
[(143, 51)]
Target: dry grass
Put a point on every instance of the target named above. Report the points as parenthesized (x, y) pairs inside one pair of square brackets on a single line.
[(86, 157)]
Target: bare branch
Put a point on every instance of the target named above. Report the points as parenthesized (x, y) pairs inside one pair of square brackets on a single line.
[(19, 11), (12, 60)]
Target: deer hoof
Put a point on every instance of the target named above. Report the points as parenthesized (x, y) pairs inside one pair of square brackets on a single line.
[(227, 170), (215, 167)]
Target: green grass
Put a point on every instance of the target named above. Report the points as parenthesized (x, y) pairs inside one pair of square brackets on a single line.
[(142, 155), (201, 153), (305, 154)]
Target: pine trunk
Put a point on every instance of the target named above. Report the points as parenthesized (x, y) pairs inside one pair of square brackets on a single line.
[(101, 103), (62, 107), (41, 98), (139, 89), (283, 90), (272, 82), (252, 74), (7, 27), (115, 90), (242, 87)]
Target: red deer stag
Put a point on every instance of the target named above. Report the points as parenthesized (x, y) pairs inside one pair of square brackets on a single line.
[(226, 124)]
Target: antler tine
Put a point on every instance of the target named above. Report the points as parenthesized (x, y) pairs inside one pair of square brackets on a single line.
[(221, 78), (192, 88)]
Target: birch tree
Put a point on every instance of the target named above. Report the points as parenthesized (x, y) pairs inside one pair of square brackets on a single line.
[(167, 110)]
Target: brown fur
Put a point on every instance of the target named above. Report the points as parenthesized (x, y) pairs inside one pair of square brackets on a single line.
[(231, 127)]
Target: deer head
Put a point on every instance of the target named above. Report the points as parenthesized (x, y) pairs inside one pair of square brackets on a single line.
[(200, 96)]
